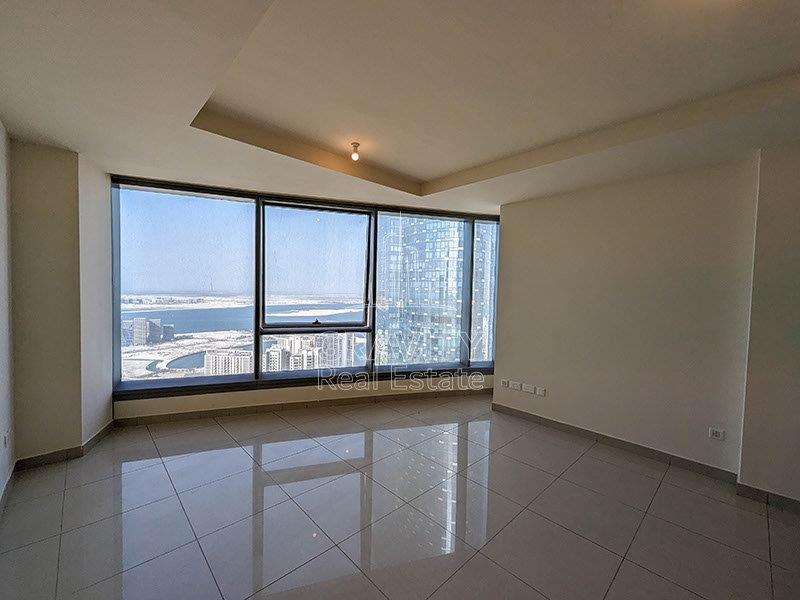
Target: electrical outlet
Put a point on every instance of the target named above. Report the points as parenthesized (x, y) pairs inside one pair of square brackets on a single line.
[(528, 388), (541, 391), (715, 433), (515, 385), (504, 383)]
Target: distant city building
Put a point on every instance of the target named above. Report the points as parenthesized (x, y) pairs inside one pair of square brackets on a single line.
[(145, 331), (305, 360), (126, 337), (227, 362), (336, 350), (420, 276), (275, 359), (306, 352)]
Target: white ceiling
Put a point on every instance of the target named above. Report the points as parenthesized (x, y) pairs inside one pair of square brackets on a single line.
[(427, 88)]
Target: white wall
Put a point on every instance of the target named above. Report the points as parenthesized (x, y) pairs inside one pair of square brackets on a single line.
[(95, 297), (45, 298), (630, 304), (771, 439), (6, 396)]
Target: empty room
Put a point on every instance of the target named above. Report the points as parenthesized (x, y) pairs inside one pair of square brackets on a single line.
[(406, 300)]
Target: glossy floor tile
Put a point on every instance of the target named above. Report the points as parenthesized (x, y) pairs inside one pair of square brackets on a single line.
[(628, 460), (489, 433), (466, 509), (359, 502), (713, 488), (634, 583), (27, 522), (99, 465), (95, 501), (532, 449), (698, 563), (197, 469), (598, 518), (406, 554), (278, 444), (740, 529), (241, 427), (181, 574), (408, 431), (785, 541), (785, 584), (511, 478), (331, 575), (373, 415), (481, 578), (624, 485), (370, 501), (451, 451), (192, 441), (362, 449), (407, 474), (225, 501), (307, 470), (252, 553), (35, 483), (29, 573), (106, 548), (552, 559)]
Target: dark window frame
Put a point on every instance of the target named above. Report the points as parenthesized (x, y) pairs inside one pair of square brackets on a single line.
[(130, 390)]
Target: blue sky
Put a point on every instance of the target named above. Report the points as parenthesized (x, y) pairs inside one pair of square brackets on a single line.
[(183, 244)]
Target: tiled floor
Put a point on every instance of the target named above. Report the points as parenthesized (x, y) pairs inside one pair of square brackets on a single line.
[(437, 498)]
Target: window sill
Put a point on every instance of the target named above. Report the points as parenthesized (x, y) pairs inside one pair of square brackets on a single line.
[(139, 390)]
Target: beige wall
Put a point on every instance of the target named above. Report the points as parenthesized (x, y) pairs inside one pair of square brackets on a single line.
[(180, 404), (46, 298), (771, 437), (6, 397), (630, 304), (95, 296)]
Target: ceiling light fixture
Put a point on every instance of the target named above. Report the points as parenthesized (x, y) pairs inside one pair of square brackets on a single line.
[(354, 154)]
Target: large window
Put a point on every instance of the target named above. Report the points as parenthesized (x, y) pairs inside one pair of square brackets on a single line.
[(186, 285), (315, 266), (484, 291), (223, 288), (420, 290)]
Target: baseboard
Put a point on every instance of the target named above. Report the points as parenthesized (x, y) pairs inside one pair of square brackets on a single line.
[(41, 460), (4, 495), (245, 410), (684, 463), (776, 500), (92, 441)]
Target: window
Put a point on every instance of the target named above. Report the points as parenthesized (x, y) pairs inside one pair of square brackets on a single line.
[(186, 285), (315, 266), (420, 288), (220, 288), (484, 291)]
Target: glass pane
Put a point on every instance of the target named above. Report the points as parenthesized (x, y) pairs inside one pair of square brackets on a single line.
[(419, 286), (315, 266), (186, 282), (484, 288), (308, 352)]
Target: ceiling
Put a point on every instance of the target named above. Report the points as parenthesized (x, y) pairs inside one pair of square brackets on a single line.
[(462, 105)]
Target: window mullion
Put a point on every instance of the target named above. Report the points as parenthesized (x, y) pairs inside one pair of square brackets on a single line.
[(373, 285), (466, 294)]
